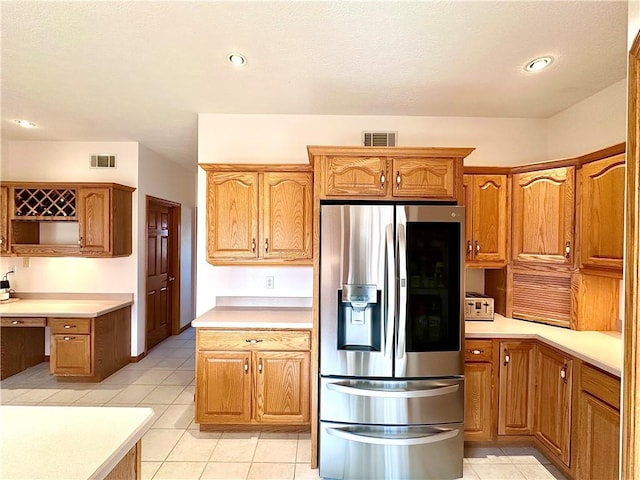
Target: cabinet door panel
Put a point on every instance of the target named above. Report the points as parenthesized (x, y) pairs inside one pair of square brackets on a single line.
[(477, 401), (356, 176), (515, 405), (287, 215), (602, 213), (543, 216), (232, 211), (599, 439), (553, 401), (224, 387), (421, 177), (94, 215), (282, 387), (70, 355), (490, 218)]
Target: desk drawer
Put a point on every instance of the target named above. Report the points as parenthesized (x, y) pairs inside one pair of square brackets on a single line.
[(23, 322), (66, 326), (253, 340)]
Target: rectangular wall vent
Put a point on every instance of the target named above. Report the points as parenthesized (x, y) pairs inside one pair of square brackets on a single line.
[(379, 139), (103, 161)]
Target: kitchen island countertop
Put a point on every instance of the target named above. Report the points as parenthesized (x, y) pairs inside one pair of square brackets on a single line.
[(255, 317), (601, 349), (53, 442)]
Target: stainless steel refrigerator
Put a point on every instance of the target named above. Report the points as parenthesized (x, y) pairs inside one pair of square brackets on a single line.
[(391, 327)]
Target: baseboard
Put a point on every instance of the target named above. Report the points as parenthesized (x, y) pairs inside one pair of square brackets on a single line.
[(137, 358)]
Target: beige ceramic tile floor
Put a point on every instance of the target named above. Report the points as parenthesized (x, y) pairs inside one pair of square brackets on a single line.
[(174, 448)]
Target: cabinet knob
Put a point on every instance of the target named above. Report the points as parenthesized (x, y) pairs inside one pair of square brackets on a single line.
[(80, 242), (477, 246), (1, 240), (507, 357), (253, 245), (469, 247), (16, 322), (68, 338), (69, 326), (266, 245), (382, 180), (246, 365), (253, 341), (567, 249), (398, 180), (260, 366), (563, 373)]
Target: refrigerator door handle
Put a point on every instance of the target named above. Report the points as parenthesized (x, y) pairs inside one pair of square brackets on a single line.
[(382, 440), (391, 295), (401, 353), (379, 393)]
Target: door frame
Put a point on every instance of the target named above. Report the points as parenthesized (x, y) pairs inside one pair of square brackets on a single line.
[(630, 467), (175, 225)]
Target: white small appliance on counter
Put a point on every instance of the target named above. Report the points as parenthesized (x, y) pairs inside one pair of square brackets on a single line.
[(478, 306)]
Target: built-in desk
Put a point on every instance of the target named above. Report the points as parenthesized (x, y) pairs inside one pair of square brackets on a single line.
[(90, 338)]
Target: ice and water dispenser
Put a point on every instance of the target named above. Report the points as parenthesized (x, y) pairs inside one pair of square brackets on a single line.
[(359, 318)]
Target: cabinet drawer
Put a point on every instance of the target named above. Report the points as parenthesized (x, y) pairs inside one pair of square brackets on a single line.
[(23, 322), (478, 350), (600, 385), (253, 339), (70, 325)]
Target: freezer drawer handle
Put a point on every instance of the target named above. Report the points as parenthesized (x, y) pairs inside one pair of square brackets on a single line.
[(438, 437), (366, 392)]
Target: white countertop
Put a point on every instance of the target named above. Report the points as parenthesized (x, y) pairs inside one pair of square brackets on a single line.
[(601, 349), (67, 443), (71, 308), (255, 317)]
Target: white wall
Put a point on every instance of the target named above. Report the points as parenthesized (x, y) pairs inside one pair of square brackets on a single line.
[(281, 139), (167, 180), (69, 162), (595, 123), (633, 25)]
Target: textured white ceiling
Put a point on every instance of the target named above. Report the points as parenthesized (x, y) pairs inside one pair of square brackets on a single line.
[(143, 70)]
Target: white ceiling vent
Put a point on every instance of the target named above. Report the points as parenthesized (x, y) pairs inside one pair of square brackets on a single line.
[(103, 161), (379, 139)]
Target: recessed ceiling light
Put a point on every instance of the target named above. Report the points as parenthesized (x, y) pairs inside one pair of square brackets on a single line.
[(25, 123), (237, 59), (538, 64)]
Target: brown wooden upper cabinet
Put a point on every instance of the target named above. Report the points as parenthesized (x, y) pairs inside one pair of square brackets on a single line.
[(543, 216), (602, 214), (79, 219), (389, 172), (486, 220), (259, 216)]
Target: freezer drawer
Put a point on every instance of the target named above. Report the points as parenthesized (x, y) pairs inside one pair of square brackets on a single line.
[(392, 402), (370, 452)]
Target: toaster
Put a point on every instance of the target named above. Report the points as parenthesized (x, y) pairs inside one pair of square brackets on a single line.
[(478, 306)]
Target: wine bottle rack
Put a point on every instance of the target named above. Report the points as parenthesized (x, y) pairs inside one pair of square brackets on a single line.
[(45, 202)]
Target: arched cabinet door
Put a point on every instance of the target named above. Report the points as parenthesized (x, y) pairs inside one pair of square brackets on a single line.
[(543, 216)]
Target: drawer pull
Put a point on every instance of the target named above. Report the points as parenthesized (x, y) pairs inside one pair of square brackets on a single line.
[(507, 357), (69, 326), (69, 338), (475, 352), (260, 366), (253, 341), (382, 180), (246, 366), (17, 322)]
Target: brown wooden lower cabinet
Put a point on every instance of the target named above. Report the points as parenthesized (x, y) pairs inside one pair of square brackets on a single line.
[(568, 408), (597, 436), (90, 349), (515, 402), (254, 383), (553, 373)]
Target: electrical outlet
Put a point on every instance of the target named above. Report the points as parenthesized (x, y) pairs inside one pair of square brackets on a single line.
[(26, 262), (269, 281)]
